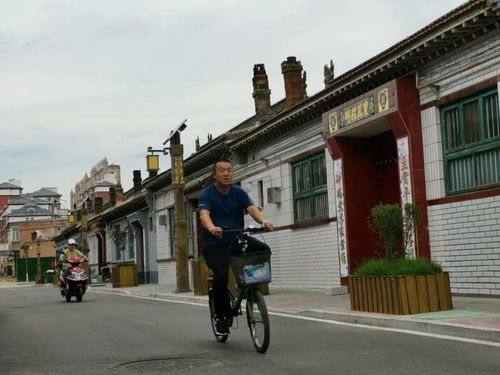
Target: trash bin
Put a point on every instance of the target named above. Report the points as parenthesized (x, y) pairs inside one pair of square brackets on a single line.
[(48, 276)]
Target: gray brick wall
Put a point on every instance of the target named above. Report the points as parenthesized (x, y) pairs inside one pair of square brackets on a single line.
[(450, 72), (465, 240)]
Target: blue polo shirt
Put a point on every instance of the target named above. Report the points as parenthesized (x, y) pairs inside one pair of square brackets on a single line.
[(226, 211)]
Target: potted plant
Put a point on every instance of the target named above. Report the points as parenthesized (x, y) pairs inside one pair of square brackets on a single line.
[(396, 283)]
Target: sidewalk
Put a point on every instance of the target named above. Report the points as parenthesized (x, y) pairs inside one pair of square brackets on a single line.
[(472, 317)]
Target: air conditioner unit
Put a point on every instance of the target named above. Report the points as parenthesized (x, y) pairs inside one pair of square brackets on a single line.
[(162, 220), (274, 195)]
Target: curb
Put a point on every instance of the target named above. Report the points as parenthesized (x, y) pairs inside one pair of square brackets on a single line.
[(431, 327)]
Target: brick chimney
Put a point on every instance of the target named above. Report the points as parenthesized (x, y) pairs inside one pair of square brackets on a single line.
[(261, 93), (112, 196), (294, 83), (98, 203), (119, 193), (137, 181)]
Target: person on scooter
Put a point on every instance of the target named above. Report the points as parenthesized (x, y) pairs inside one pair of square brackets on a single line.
[(70, 252)]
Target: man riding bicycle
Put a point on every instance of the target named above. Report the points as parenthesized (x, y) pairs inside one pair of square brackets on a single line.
[(222, 205)]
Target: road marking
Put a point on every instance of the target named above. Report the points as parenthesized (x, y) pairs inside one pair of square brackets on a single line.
[(319, 320), (398, 330)]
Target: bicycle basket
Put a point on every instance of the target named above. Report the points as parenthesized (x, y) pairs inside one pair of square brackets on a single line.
[(253, 268)]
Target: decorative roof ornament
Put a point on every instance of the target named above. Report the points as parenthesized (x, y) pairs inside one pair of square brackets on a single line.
[(304, 84), (329, 74)]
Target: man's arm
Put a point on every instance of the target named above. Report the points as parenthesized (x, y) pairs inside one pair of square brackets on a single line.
[(259, 217), (207, 223), (80, 254)]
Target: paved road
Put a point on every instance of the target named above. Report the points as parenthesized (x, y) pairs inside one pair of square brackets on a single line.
[(112, 334)]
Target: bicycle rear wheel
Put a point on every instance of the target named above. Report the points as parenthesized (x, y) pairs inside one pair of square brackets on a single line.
[(258, 320)]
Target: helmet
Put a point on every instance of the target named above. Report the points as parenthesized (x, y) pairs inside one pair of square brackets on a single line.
[(71, 241)]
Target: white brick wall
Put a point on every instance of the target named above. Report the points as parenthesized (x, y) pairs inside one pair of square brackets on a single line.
[(163, 201), (305, 258), (167, 274), (464, 236), (465, 240), (302, 258), (433, 153)]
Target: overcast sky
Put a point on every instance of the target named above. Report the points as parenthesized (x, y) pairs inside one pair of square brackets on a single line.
[(83, 80)]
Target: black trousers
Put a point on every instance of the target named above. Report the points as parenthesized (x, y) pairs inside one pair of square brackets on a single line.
[(217, 259)]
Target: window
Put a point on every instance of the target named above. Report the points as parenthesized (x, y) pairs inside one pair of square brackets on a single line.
[(117, 241), (131, 243), (14, 234), (260, 193), (310, 196), (471, 132)]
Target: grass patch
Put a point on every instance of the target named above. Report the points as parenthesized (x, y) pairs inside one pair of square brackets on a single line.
[(397, 267)]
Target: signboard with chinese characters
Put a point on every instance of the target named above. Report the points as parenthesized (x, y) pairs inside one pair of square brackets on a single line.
[(357, 111), (375, 103), (341, 225), (405, 184)]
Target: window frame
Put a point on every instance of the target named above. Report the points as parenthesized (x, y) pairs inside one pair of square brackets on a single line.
[(312, 191), (464, 149)]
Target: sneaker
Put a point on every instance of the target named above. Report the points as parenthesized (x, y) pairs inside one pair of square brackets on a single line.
[(221, 327)]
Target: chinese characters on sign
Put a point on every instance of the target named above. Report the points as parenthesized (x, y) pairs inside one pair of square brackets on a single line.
[(405, 181), (339, 198), (356, 112), (178, 170), (359, 111)]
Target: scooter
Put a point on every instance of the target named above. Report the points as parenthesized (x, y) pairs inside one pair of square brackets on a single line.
[(75, 282)]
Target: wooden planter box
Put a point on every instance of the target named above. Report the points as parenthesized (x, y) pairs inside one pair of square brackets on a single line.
[(201, 273), (124, 276), (401, 294)]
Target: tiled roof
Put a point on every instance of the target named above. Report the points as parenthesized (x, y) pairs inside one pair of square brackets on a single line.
[(23, 211), (45, 193), (8, 185)]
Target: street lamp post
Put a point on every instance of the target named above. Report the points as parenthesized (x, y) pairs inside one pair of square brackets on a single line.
[(177, 170)]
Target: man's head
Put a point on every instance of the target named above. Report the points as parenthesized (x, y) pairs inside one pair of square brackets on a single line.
[(223, 172), (71, 243)]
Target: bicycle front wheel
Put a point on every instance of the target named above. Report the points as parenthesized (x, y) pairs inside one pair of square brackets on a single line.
[(258, 320)]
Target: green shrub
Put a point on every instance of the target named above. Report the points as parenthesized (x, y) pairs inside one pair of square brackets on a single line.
[(395, 227), (398, 266)]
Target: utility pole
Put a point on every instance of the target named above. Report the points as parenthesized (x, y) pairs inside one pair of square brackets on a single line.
[(177, 169)]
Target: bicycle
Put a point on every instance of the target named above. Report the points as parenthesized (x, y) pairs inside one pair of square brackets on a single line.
[(250, 269)]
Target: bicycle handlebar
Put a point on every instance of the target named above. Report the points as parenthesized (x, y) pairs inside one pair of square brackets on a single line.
[(249, 229)]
